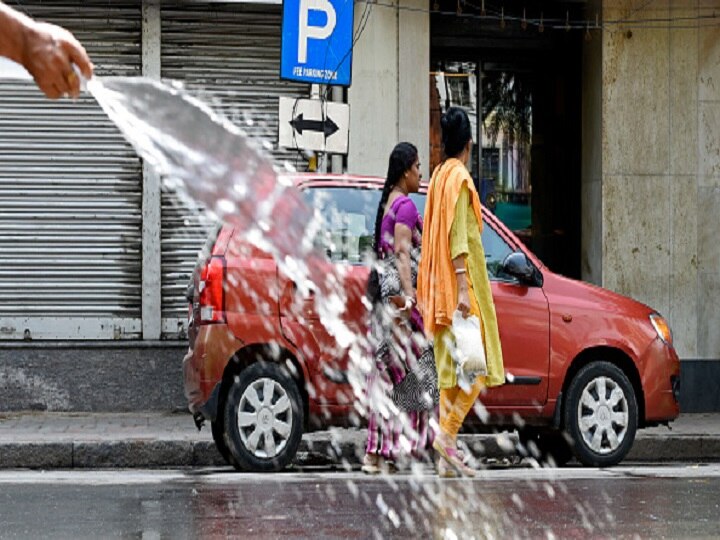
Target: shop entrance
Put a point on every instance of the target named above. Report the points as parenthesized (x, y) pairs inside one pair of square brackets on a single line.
[(521, 88)]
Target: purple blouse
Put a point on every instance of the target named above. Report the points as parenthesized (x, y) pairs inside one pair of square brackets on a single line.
[(402, 210)]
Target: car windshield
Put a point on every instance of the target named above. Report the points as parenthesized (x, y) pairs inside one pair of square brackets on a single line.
[(349, 220)]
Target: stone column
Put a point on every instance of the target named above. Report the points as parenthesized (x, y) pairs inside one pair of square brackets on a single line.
[(591, 172), (388, 98), (660, 167), (151, 271)]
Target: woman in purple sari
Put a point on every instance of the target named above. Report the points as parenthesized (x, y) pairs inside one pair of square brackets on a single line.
[(402, 384)]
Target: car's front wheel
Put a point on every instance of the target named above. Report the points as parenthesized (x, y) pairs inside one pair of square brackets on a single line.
[(601, 414), (263, 417)]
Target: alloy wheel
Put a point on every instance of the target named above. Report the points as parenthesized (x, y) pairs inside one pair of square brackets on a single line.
[(265, 418), (602, 415)]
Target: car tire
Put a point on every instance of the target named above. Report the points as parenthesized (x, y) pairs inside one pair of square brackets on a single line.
[(550, 447), (218, 434), (601, 414), (263, 417)]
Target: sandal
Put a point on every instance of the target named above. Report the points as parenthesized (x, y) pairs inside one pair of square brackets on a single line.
[(450, 455), (375, 464), (371, 464), (444, 470), (388, 467)]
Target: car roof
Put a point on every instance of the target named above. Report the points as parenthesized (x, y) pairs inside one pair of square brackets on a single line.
[(315, 180)]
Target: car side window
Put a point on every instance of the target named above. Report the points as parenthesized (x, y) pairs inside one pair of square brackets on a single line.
[(346, 221), (496, 249)]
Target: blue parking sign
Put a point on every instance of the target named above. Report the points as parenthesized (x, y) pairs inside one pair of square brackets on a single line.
[(317, 41)]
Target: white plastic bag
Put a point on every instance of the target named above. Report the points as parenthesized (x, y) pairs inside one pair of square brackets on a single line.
[(469, 348)]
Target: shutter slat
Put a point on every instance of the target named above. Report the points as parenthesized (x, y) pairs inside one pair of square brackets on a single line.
[(228, 55), (71, 191)]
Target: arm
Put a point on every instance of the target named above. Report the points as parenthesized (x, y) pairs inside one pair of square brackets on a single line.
[(47, 51), (402, 243), (459, 250)]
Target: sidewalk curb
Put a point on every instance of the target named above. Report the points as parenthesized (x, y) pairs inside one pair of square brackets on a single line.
[(680, 448), (312, 452)]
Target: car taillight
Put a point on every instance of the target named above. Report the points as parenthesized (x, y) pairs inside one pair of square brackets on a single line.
[(212, 292)]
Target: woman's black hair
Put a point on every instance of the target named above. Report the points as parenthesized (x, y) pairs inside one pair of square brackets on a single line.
[(456, 131), (401, 160)]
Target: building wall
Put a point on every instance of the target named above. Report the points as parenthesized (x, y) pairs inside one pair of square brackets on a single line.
[(661, 175), (591, 175), (389, 95)]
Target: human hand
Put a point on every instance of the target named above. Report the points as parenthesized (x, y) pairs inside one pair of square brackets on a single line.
[(402, 302), (463, 305), (49, 53)]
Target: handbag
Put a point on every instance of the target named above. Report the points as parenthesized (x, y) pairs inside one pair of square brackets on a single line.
[(372, 291), (396, 339), (469, 353), (418, 391)]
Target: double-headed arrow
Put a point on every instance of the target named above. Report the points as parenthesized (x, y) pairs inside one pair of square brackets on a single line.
[(326, 126)]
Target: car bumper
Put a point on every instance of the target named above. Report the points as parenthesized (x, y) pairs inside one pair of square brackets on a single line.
[(661, 383), (205, 362)]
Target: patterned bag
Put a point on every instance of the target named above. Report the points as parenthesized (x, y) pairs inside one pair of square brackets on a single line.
[(418, 391), (403, 346)]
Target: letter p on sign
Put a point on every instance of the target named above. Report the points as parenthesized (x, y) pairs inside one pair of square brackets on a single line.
[(305, 31), (317, 39)]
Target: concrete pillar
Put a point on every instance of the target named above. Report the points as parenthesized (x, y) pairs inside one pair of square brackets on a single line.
[(591, 172), (151, 271), (413, 76), (389, 96), (661, 168)]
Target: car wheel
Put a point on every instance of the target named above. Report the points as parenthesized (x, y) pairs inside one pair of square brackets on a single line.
[(263, 417), (601, 414), (548, 446)]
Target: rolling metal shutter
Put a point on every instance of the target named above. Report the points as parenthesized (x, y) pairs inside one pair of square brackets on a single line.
[(229, 56), (71, 194)]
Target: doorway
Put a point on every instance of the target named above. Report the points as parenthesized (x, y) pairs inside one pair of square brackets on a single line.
[(521, 89)]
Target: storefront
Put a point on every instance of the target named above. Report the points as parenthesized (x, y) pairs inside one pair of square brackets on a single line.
[(96, 255), (521, 88), (77, 219)]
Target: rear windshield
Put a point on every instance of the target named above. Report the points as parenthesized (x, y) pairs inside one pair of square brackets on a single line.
[(349, 220)]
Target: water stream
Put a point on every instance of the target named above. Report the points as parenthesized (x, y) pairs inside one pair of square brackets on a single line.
[(204, 157)]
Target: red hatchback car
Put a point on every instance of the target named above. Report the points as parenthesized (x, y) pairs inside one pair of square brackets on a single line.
[(585, 367)]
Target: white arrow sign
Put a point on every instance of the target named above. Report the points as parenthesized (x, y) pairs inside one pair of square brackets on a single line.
[(314, 124)]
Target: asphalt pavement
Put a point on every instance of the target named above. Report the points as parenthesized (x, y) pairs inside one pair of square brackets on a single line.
[(50, 440), (627, 501)]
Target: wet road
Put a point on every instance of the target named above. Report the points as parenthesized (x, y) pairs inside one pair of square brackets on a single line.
[(625, 502)]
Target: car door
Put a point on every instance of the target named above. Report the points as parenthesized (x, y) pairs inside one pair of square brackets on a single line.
[(524, 323), (331, 312)]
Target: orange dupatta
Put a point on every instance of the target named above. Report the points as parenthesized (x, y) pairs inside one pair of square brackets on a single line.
[(436, 285)]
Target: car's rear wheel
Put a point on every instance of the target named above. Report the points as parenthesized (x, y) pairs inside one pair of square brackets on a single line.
[(548, 446), (263, 417), (601, 414)]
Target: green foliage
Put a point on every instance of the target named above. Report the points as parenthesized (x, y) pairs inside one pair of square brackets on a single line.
[(507, 107)]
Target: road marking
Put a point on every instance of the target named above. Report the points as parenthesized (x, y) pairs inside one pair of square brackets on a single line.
[(215, 476)]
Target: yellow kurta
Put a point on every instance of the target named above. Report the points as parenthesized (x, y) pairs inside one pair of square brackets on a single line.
[(465, 239)]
